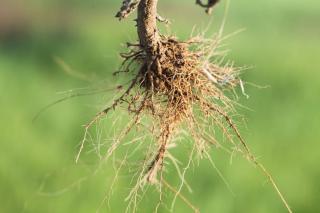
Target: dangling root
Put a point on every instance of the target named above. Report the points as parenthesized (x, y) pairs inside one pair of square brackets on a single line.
[(169, 89), (157, 163), (176, 84), (183, 198)]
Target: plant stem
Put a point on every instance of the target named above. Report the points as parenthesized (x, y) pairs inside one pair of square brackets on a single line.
[(147, 27)]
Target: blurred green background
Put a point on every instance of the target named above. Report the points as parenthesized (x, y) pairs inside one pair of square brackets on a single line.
[(37, 170)]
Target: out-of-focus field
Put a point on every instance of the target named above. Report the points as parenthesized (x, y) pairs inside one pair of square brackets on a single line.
[(37, 171)]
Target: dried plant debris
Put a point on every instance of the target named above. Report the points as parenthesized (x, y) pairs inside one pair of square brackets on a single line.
[(209, 5), (178, 89), (128, 6)]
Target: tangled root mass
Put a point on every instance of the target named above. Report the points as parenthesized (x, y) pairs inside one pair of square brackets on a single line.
[(179, 86)]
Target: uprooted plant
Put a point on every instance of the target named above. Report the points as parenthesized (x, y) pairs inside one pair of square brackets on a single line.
[(178, 84)]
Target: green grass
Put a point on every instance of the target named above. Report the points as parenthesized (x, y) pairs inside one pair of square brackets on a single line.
[(282, 44)]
